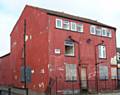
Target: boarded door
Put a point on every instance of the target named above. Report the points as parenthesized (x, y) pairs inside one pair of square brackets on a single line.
[(83, 78)]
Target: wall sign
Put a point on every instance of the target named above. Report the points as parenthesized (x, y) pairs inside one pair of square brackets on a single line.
[(57, 51)]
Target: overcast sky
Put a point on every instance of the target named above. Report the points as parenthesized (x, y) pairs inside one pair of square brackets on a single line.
[(105, 11)]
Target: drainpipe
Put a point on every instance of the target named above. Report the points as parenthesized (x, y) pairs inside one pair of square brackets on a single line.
[(24, 63)]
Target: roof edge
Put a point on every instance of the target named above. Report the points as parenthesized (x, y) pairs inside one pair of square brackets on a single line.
[(69, 16), (5, 55)]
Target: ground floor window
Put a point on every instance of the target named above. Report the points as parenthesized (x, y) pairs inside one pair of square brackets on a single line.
[(119, 73), (71, 72), (103, 72), (113, 73)]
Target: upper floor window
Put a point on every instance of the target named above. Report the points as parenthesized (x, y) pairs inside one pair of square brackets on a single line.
[(80, 27), (98, 31), (66, 25), (102, 51), (73, 26), (104, 32), (92, 29), (118, 56), (109, 34), (69, 48), (58, 23), (71, 72)]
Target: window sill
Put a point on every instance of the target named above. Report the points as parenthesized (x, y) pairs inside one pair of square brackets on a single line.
[(70, 80), (67, 55)]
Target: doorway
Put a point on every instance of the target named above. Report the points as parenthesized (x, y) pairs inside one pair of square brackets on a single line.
[(84, 78)]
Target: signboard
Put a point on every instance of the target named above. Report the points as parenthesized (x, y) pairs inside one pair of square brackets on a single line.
[(57, 51)]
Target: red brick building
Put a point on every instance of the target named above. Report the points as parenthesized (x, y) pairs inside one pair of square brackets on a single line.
[(63, 52)]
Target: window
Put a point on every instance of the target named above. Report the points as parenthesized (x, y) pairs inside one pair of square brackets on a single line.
[(28, 74), (104, 32), (113, 73), (58, 23), (71, 72), (80, 27), (103, 72), (102, 51), (119, 73), (109, 34), (69, 48), (118, 56), (98, 32), (66, 25), (92, 29), (73, 26)]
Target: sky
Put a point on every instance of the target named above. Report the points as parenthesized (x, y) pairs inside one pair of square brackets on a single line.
[(105, 11)]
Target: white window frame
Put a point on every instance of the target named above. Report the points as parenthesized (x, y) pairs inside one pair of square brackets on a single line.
[(61, 23), (110, 33), (118, 56), (71, 72), (72, 45), (73, 26), (66, 25), (102, 51), (92, 29), (80, 27), (104, 30), (98, 31)]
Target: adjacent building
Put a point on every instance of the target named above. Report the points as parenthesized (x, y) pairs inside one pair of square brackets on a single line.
[(63, 53)]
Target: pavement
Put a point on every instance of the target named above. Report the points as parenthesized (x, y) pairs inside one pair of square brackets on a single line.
[(115, 92)]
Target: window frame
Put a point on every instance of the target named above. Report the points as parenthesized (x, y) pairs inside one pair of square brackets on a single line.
[(118, 56), (80, 27), (103, 72), (110, 33), (104, 30), (102, 51), (72, 45), (71, 26), (70, 72), (113, 73), (61, 24), (91, 30), (66, 23), (100, 31)]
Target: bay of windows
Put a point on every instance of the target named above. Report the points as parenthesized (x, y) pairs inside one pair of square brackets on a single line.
[(100, 31), (67, 25)]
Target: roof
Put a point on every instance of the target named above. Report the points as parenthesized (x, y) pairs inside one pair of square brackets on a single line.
[(5, 55), (118, 49), (65, 15)]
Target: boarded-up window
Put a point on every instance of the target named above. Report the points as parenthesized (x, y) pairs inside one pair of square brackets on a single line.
[(119, 73), (103, 72), (71, 72), (113, 73), (28, 74)]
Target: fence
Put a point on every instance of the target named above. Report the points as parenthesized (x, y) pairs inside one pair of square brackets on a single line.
[(12, 91), (61, 87)]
